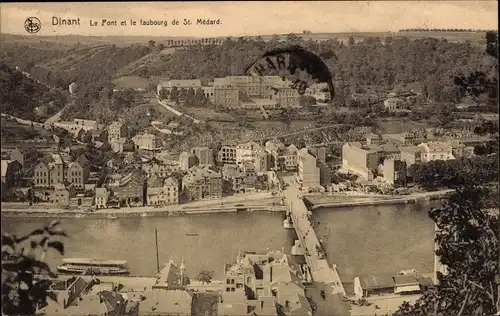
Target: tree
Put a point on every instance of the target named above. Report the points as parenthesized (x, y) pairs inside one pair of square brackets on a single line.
[(174, 94), (190, 96), (467, 239), (306, 100), (87, 137), (492, 43), (205, 276), (151, 44), (199, 97), (23, 291)]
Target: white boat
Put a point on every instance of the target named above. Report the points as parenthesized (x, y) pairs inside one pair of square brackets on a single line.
[(92, 266), (287, 223)]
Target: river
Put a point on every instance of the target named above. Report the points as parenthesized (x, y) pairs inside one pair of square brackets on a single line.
[(360, 240)]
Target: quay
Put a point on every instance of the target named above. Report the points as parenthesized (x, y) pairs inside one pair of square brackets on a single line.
[(112, 214), (333, 201), (320, 269)]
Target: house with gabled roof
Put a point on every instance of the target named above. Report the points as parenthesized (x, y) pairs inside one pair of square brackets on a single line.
[(161, 191), (262, 284), (78, 296), (131, 188)]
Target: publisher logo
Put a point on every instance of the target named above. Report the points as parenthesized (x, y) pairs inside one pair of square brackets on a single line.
[(32, 25)]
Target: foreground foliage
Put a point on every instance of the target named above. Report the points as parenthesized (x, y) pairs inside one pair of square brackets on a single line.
[(467, 237), (23, 290)]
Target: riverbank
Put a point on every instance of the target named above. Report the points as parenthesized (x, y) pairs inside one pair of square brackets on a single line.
[(334, 201), (269, 205), (133, 212)]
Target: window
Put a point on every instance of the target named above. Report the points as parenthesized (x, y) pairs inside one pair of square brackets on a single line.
[(232, 289), (228, 281), (232, 281), (228, 289)]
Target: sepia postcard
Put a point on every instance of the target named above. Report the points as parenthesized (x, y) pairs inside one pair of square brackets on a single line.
[(250, 158)]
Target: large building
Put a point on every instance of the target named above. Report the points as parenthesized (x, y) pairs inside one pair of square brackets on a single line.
[(276, 150), (411, 155), (205, 155), (264, 284), (228, 91), (318, 150), (262, 161), (367, 286), (227, 155), (363, 158), (116, 131), (312, 172), (147, 141), (251, 86), (394, 172), (226, 96), (78, 125), (431, 151), (285, 96), (130, 189), (178, 84), (436, 151), (54, 170), (202, 183), (187, 160), (247, 152), (11, 173), (162, 191)]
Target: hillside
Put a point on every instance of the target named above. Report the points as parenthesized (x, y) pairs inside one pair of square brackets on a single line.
[(63, 64), (25, 98), (430, 62), (358, 62)]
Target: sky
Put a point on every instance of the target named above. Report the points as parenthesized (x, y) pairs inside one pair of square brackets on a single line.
[(250, 18)]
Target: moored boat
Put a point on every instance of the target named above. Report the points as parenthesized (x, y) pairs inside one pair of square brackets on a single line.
[(91, 266), (287, 222)]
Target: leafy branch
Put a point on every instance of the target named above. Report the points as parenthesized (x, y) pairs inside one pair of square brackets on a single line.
[(23, 291)]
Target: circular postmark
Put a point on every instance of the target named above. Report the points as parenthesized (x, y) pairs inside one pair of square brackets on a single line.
[(32, 25), (295, 65)]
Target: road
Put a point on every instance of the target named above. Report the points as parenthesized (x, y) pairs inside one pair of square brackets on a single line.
[(257, 199), (168, 106), (26, 122), (353, 200), (325, 278)]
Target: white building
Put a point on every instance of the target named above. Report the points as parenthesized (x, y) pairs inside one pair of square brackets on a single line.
[(101, 197), (436, 151), (246, 152)]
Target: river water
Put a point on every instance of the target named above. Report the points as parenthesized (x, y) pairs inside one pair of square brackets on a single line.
[(360, 240)]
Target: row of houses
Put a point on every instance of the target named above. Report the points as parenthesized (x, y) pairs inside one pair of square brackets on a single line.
[(168, 294), (256, 284), (115, 134), (245, 91), (390, 158), (262, 284), (251, 158)]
